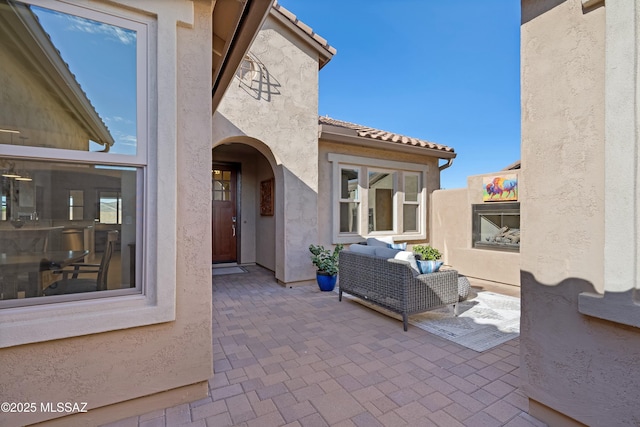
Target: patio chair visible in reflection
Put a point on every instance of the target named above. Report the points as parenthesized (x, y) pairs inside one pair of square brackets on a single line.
[(72, 284)]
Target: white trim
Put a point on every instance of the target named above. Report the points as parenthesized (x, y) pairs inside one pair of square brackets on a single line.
[(377, 163)]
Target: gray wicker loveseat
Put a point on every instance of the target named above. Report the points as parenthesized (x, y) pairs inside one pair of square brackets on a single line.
[(395, 285)]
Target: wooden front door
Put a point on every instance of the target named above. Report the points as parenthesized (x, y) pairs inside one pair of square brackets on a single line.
[(224, 216)]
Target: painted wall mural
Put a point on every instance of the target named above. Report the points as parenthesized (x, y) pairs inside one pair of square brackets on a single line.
[(500, 188)]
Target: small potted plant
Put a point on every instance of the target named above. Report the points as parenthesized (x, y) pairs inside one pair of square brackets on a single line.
[(326, 261), (427, 252), (430, 256)]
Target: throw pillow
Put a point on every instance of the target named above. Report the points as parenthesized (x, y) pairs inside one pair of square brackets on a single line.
[(411, 259), (429, 266), (401, 246)]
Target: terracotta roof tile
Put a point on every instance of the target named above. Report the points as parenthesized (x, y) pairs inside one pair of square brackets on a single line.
[(304, 27), (381, 135)]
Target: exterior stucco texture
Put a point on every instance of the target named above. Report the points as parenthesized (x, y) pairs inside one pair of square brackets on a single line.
[(577, 365), (119, 366), (275, 110)]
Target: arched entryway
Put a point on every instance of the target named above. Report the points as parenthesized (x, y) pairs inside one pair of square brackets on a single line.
[(245, 196)]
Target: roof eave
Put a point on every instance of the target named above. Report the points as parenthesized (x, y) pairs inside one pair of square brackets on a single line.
[(350, 136), (253, 15)]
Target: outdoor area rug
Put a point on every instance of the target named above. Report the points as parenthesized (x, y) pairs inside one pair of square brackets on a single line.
[(485, 320), (219, 271)]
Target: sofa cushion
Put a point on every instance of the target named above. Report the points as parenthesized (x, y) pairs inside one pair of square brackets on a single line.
[(363, 249), (385, 252), (429, 266), (379, 241)]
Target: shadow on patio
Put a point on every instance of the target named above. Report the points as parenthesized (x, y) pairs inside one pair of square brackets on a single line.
[(298, 357)]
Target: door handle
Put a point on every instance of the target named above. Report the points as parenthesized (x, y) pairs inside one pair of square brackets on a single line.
[(233, 227)]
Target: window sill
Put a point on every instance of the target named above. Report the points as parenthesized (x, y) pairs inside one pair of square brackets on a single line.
[(356, 238), (32, 324), (615, 307)]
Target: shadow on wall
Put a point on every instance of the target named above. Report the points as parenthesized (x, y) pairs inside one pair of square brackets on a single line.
[(256, 80), (581, 366)]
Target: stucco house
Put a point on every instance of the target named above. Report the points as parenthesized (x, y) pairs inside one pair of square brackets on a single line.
[(182, 125), (330, 181), (146, 342), (580, 336)]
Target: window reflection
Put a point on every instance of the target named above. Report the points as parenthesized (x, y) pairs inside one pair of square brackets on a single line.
[(65, 213), (67, 82)]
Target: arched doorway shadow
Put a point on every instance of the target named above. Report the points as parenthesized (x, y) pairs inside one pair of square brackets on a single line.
[(252, 230)]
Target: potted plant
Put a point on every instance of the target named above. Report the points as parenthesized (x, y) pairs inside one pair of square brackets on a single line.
[(429, 262), (326, 261), (428, 253)]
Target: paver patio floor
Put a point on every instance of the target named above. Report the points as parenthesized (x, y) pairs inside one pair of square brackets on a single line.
[(298, 357)]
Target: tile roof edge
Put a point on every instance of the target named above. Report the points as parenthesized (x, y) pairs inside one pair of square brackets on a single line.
[(381, 135), (286, 13)]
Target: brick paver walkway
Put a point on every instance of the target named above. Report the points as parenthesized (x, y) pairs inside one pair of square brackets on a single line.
[(298, 357)]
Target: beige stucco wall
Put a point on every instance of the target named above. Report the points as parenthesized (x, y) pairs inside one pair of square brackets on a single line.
[(577, 365), (326, 201), (280, 110), (107, 368), (451, 225)]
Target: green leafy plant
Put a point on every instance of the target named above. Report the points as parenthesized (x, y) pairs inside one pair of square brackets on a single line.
[(427, 252), (324, 259)]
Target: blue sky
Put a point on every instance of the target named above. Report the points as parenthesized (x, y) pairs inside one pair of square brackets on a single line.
[(103, 59), (445, 71)]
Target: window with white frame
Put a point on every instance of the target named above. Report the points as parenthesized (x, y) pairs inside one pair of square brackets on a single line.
[(375, 197), (69, 116), (78, 106), (411, 207), (348, 199)]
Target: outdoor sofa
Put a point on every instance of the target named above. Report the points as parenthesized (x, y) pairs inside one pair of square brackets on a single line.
[(390, 279)]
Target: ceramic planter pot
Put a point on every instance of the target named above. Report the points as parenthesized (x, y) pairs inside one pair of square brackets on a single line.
[(326, 282)]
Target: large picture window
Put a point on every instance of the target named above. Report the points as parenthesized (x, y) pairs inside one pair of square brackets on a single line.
[(78, 172), (69, 119), (375, 197)]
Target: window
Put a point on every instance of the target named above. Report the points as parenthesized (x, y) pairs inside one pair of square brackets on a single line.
[(377, 197), (411, 206), (349, 200), (76, 205), (73, 117), (55, 109), (110, 207), (221, 185)]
